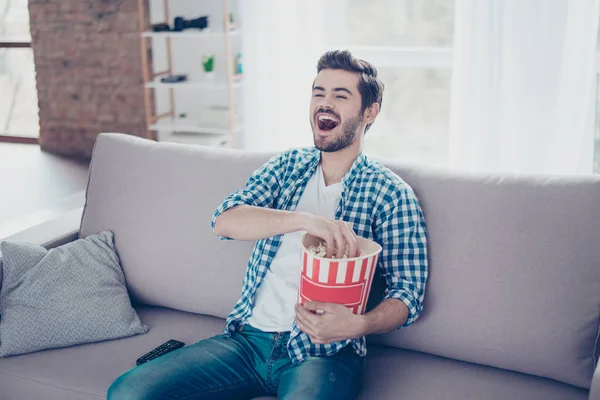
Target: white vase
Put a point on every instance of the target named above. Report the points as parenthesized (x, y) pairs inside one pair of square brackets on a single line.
[(209, 76)]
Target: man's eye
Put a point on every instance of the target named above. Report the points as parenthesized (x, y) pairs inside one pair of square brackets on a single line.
[(318, 95), (341, 97)]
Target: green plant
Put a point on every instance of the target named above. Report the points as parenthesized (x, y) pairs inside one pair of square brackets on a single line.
[(208, 62)]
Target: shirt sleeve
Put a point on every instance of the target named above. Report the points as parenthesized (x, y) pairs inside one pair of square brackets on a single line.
[(261, 190), (402, 232)]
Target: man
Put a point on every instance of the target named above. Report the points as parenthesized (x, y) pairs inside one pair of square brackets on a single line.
[(271, 345)]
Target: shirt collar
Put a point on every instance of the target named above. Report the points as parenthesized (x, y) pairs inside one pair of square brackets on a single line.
[(359, 163)]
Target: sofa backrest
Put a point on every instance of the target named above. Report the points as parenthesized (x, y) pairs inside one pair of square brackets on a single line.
[(159, 199), (514, 261), (514, 265)]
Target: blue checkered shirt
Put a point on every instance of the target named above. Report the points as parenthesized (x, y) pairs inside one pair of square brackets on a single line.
[(377, 203)]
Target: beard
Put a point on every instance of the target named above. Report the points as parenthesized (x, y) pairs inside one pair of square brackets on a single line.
[(343, 139)]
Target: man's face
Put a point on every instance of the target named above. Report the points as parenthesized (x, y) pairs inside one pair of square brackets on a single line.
[(335, 109)]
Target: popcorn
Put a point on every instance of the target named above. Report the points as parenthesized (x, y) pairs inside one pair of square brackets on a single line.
[(321, 251)]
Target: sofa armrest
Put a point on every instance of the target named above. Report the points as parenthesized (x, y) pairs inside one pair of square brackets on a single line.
[(595, 389), (52, 233)]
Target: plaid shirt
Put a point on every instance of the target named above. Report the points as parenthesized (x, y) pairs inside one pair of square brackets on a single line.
[(376, 202)]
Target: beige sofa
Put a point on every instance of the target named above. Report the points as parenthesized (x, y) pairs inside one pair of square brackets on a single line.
[(512, 307)]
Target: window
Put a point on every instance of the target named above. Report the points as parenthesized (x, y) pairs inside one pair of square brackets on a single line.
[(410, 41), (18, 103), (411, 45), (400, 23)]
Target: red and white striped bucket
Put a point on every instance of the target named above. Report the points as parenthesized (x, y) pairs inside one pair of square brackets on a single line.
[(344, 281)]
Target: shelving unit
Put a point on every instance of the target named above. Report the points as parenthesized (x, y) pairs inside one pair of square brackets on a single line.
[(167, 125)]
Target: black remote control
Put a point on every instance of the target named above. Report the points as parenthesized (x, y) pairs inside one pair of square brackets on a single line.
[(164, 348), (174, 78)]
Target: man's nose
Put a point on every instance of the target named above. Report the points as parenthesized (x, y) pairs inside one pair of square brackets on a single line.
[(326, 104)]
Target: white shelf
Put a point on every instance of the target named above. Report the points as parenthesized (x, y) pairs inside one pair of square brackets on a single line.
[(16, 39), (186, 138), (193, 85), (192, 129), (190, 33)]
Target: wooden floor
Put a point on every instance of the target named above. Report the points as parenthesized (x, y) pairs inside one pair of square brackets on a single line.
[(36, 186)]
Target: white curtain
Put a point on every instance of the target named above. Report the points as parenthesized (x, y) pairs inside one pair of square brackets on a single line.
[(282, 43), (523, 85)]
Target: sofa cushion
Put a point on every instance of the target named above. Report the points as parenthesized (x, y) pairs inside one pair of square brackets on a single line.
[(86, 371), (394, 373), (159, 199), (65, 296), (514, 271)]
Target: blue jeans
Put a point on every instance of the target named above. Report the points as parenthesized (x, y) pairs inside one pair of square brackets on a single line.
[(248, 364)]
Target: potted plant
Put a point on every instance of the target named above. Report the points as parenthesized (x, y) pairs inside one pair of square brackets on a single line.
[(208, 62)]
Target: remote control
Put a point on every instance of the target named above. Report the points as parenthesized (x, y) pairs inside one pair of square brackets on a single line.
[(164, 348), (173, 78)]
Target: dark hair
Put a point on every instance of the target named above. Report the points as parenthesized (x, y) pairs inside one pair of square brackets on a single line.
[(369, 86)]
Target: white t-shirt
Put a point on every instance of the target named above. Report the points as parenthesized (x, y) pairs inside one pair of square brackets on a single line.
[(273, 309)]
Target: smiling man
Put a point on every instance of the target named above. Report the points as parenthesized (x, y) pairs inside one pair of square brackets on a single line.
[(271, 345)]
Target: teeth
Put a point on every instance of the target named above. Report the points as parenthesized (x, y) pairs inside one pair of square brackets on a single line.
[(326, 117)]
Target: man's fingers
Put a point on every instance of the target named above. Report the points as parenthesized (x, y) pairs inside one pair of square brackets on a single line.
[(319, 305), (305, 315), (330, 242), (314, 305), (340, 244), (351, 240), (302, 325), (304, 328), (355, 238), (340, 239)]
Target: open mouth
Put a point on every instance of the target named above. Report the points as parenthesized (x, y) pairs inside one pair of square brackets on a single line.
[(326, 122)]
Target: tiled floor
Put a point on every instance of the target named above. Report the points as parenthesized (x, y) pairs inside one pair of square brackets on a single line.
[(36, 186)]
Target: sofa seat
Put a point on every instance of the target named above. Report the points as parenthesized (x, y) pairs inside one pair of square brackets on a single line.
[(401, 374), (86, 371)]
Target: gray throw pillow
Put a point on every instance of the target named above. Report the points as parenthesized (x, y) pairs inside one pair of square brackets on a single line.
[(62, 297)]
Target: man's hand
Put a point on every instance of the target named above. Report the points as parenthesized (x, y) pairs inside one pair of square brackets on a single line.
[(336, 323), (337, 234)]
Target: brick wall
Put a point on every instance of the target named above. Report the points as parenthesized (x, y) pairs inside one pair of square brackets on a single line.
[(89, 74)]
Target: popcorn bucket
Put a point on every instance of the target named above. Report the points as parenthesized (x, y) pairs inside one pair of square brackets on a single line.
[(344, 281)]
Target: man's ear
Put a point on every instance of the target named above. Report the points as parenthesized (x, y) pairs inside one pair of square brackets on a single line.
[(371, 113)]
